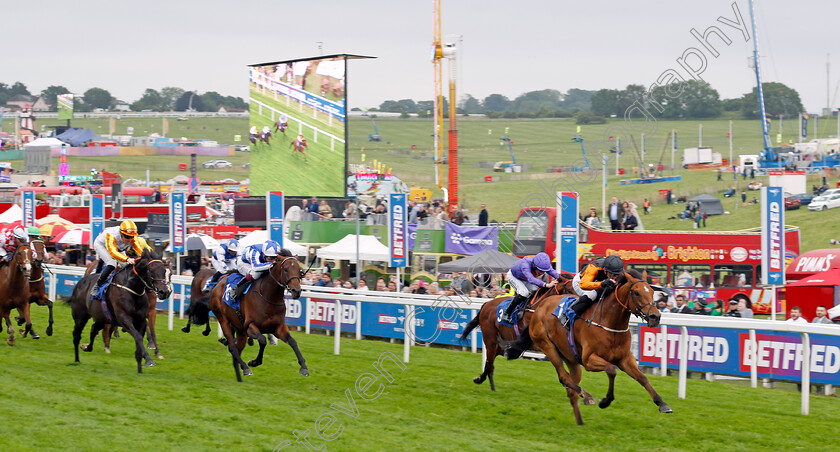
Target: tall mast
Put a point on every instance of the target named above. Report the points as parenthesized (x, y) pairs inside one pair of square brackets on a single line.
[(765, 133)]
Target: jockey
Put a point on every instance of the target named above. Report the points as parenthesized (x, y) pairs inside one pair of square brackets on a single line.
[(523, 277), (10, 241), (596, 278), (113, 246), (224, 261), (253, 262), (284, 121), (253, 131), (266, 131)]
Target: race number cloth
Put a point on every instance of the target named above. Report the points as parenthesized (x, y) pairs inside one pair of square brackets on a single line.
[(232, 281), (501, 310)]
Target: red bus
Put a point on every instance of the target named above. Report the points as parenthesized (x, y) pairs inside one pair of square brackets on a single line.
[(711, 265)]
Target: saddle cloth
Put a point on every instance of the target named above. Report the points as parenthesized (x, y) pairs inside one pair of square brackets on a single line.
[(563, 306), (230, 287), (501, 310)]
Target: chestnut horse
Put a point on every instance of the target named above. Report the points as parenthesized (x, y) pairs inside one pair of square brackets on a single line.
[(199, 311), (497, 337), (127, 300), (37, 291), (262, 310), (14, 287), (109, 330), (299, 145), (601, 337)]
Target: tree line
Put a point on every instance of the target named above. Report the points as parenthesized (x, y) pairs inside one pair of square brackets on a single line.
[(695, 100), (166, 99)]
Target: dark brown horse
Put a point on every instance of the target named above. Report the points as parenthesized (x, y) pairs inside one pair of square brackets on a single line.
[(127, 302), (108, 331), (263, 310), (14, 287), (199, 310), (497, 337), (37, 291), (601, 337)]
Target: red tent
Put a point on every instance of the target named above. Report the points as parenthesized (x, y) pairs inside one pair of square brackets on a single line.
[(812, 262), (818, 289)]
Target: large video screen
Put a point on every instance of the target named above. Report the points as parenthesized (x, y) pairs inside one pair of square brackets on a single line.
[(298, 127)]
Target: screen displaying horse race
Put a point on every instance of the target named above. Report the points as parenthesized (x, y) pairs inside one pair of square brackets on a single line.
[(297, 127)]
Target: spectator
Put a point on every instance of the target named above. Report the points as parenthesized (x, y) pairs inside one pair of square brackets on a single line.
[(682, 306), (592, 219), (744, 197), (440, 215), (482, 216), (362, 284), (733, 309), (380, 285), (715, 308), (614, 211), (412, 212), (473, 294), (418, 287), (307, 279), (347, 285), (422, 214), (325, 281), (700, 307), (746, 313), (646, 206), (313, 209), (392, 286), (630, 220), (433, 288), (325, 210), (457, 283), (662, 304), (457, 215), (796, 315), (821, 315), (349, 210), (669, 305)]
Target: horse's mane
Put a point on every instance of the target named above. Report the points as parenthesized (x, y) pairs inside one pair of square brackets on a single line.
[(632, 272), (149, 254)]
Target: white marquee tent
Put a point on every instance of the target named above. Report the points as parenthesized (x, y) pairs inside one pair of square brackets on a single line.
[(370, 249), (260, 236)]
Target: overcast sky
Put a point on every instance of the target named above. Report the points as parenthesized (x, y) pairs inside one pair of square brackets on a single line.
[(507, 47)]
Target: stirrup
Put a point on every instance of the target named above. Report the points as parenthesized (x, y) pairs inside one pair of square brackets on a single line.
[(564, 320)]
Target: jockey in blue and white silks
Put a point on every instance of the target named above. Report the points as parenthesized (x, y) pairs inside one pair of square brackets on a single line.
[(223, 261), (254, 261)]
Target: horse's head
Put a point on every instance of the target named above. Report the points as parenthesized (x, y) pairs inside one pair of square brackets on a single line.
[(154, 273), (286, 271), (636, 295), (23, 260), (39, 252)]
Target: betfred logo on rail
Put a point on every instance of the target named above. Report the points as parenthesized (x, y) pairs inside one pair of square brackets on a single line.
[(322, 312), (782, 355), (704, 349)]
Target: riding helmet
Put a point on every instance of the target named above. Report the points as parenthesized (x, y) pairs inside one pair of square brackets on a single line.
[(34, 231), (542, 262), (233, 246), (20, 233), (613, 264), (270, 248), (128, 228)]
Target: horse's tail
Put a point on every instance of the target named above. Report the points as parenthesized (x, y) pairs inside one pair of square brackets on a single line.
[(523, 343), (470, 326), (200, 311)]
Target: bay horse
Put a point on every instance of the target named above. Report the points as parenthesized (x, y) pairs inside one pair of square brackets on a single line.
[(601, 338), (14, 287), (265, 137), (127, 299), (281, 127), (199, 311), (263, 310), (299, 145), (108, 331), (37, 291), (496, 336)]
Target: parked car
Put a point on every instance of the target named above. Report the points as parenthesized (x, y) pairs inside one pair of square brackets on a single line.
[(217, 163), (242, 148), (791, 202), (804, 198), (825, 202)]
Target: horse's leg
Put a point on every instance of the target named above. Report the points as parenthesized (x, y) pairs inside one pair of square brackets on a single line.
[(206, 331), (241, 339), (150, 330), (572, 388), (284, 335), (629, 366), (107, 331), (254, 333), (94, 330), (50, 326), (9, 329), (573, 399), (77, 332), (230, 341), (134, 326), (576, 371), (24, 310), (595, 363)]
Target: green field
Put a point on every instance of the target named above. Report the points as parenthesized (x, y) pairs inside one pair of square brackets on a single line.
[(191, 401)]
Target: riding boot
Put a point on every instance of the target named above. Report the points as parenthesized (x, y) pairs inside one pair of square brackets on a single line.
[(579, 307), (240, 286), (103, 277), (517, 300), (210, 282)]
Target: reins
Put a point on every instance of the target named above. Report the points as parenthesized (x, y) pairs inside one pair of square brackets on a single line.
[(282, 286)]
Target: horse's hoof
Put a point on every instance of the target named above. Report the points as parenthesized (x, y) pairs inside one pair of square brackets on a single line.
[(150, 364), (304, 372), (158, 356), (11, 342), (85, 347), (605, 402), (185, 329), (664, 408), (20, 320), (108, 350), (35, 336), (151, 346), (206, 333), (223, 341), (477, 380), (248, 372), (250, 341), (253, 363), (49, 331)]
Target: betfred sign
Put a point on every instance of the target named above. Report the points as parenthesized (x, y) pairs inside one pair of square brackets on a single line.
[(397, 230), (772, 236), (178, 225)]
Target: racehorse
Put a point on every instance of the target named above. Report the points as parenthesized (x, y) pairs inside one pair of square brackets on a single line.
[(281, 127), (109, 329), (263, 310), (37, 291), (127, 301), (265, 137), (14, 287), (199, 311), (299, 144), (601, 339), (496, 336)]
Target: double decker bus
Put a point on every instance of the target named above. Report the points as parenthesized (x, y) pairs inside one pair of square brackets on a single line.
[(709, 265)]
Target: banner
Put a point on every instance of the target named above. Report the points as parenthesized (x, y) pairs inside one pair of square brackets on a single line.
[(177, 222), (397, 240), (804, 126), (567, 224), (65, 106), (28, 208), (275, 203), (772, 236), (97, 216), (724, 351), (412, 235), (470, 239)]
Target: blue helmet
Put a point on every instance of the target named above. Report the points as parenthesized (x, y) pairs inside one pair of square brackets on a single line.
[(270, 248), (233, 246), (542, 262)]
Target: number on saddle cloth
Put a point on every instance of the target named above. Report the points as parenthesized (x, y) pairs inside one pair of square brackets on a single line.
[(500, 310), (564, 305)]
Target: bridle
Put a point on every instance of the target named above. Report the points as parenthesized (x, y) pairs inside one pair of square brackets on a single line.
[(637, 310), (283, 285), (37, 263), (142, 280), (22, 265)]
